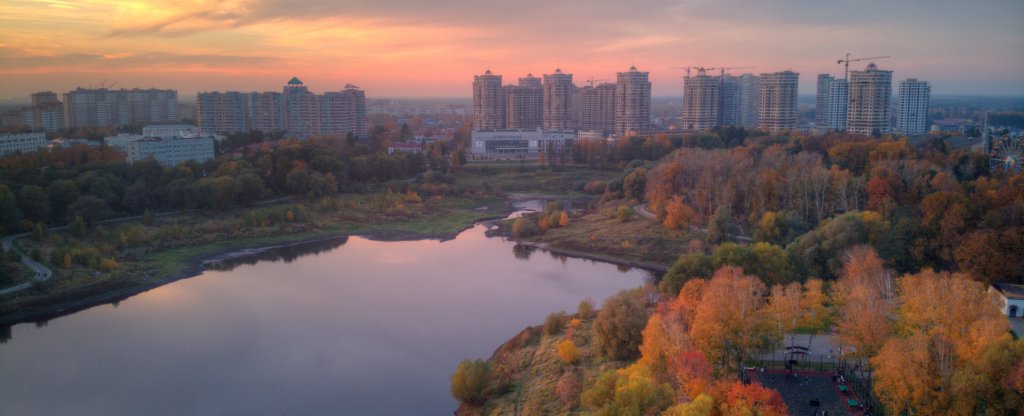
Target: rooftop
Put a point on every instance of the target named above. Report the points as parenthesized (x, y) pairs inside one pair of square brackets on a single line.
[(1010, 290), (294, 81)]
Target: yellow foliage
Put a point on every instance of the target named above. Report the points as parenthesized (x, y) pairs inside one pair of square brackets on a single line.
[(567, 352), (109, 265), (702, 405)]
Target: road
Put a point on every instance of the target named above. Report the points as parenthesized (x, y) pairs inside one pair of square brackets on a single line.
[(641, 209)]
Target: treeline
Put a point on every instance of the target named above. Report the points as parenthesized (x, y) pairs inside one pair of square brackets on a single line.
[(52, 187), (920, 207)]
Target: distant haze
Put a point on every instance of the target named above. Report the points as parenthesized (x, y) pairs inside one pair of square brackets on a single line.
[(415, 48)]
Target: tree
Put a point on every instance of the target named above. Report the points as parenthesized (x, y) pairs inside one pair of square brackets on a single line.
[(678, 216), (34, 203), (554, 322), (785, 307), (815, 315), (471, 383), (620, 323), (585, 309), (10, 215), (90, 209), (629, 391), (688, 266), (730, 322), (702, 405), (61, 193), (865, 296), (634, 183), (567, 351), (77, 227), (752, 399)]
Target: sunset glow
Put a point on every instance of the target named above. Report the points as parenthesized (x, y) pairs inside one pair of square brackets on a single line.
[(432, 48)]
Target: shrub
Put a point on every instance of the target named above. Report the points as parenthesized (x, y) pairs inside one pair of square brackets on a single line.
[(553, 323), (620, 323), (585, 309), (471, 383), (567, 352), (624, 213), (568, 388), (524, 227)]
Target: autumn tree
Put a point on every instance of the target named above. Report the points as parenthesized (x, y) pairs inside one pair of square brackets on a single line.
[(620, 323), (471, 383), (752, 399), (629, 391), (865, 296), (730, 323)]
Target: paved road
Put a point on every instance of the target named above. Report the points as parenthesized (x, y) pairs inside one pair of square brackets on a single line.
[(641, 209), (42, 273)]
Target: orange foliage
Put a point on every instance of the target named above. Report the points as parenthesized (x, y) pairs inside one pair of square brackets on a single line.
[(690, 372), (752, 399)]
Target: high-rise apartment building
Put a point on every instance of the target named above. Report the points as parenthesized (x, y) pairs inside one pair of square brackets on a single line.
[(524, 103), (222, 112), (838, 103), (558, 91), (43, 98), (912, 107), (296, 111), (870, 97), (778, 101), (597, 108), (632, 102), (728, 103), (822, 101), (488, 102), (103, 107), (701, 101), (748, 88)]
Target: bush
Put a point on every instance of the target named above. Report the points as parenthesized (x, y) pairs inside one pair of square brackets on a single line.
[(567, 352), (553, 324), (471, 383), (624, 213), (620, 323), (568, 388), (585, 309), (524, 227)]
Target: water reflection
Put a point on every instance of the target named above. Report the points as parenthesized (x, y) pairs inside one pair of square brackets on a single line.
[(523, 251), (365, 327), (286, 254)]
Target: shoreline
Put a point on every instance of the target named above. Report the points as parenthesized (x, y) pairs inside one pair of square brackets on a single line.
[(116, 291)]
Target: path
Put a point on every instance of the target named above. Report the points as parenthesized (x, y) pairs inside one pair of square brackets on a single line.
[(641, 209)]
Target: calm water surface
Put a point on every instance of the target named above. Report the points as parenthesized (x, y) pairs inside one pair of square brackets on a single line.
[(364, 328)]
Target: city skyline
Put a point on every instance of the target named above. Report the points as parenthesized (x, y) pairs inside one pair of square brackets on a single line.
[(425, 49)]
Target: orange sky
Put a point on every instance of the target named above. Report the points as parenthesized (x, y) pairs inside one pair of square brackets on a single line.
[(416, 48)]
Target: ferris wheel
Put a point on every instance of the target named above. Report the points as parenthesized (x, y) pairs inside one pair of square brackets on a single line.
[(1007, 155)]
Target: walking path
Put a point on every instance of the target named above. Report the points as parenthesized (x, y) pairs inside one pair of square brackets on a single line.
[(641, 209)]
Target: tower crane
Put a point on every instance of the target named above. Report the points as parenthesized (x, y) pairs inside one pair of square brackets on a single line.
[(846, 69), (592, 80)]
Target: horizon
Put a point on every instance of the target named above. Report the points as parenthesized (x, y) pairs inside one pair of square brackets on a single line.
[(256, 45)]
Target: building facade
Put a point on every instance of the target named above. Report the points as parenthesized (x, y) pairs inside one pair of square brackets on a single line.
[(222, 112), (103, 107), (632, 102), (912, 107), (558, 91), (778, 101), (821, 103), (21, 143), (838, 104), (701, 101), (748, 88), (597, 106), (524, 104), (488, 102), (525, 144), (170, 151), (166, 130), (870, 97)]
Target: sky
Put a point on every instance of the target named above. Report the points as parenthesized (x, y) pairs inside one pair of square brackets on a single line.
[(432, 48)]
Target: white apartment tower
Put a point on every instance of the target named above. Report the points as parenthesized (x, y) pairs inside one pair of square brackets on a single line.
[(870, 97), (748, 91), (558, 91), (488, 102), (701, 101), (301, 115), (778, 99), (912, 107), (632, 102)]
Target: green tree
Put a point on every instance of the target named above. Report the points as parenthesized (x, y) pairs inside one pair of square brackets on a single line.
[(34, 203), (77, 227), (620, 324), (634, 183), (10, 215), (90, 209), (688, 266)]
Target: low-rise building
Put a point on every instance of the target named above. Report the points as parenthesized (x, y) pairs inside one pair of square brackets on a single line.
[(505, 144), (1011, 298), (21, 143), (167, 130), (170, 151), (407, 147)]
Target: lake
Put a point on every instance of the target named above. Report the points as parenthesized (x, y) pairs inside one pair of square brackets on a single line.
[(353, 327)]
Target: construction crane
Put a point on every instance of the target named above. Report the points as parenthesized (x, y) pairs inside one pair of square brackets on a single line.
[(592, 80), (701, 69), (726, 68), (846, 70)]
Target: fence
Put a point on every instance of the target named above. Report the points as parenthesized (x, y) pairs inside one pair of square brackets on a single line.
[(857, 372)]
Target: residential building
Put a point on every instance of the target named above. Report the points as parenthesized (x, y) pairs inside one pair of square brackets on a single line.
[(912, 107), (597, 108), (821, 104), (102, 107), (488, 101), (43, 98), (170, 151), (870, 98), (166, 130), (11, 143), (558, 91), (524, 103), (632, 102), (342, 112), (748, 91), (728, 102), (520, 144), (301, 110), (778, 101), (701, 101), (838, 103), (264, 111), (222, 112)]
